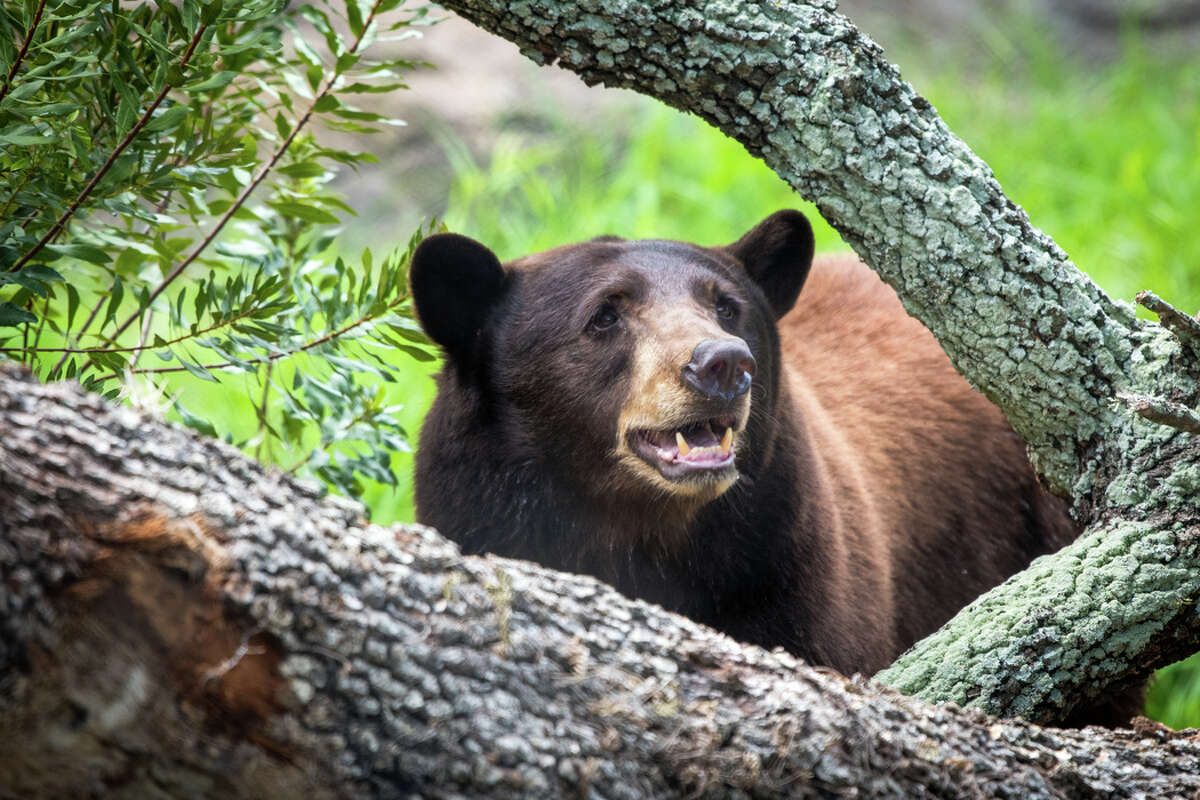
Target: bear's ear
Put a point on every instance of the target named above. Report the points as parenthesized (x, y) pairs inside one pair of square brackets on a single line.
[(455, 283), (777, 254)]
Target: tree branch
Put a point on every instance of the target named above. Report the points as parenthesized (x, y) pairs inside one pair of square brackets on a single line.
[(1164, 412), (84, 193), (272, 357), (801, 88), (175, 617), (16, 65)]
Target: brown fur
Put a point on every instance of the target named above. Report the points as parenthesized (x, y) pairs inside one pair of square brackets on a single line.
[(903, 444), (874, 492)]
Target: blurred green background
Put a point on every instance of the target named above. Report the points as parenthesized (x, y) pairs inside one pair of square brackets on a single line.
[(1101, 146)]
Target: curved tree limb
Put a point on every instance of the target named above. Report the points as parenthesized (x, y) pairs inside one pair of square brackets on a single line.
[(801, 88), (176, 622)]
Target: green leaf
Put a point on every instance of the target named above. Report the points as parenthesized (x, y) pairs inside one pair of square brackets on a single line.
[(313, 75), (367, 116), (349, 127), (297, 210), (217, 81), (129, 260), (115, 295), (24, 136), (191, 14), (22, 279), (167, 120), (127, 111), (345, 157), (14, 315), (28, 89), (372, 88), (211, 11), (194, 422), (41, 272), (326, 103), (50, 109), (413, 334), (177, 308), (114, 362), (297, 85), (354, 17), (333, 38), (305, 51), (304, 169), (72, 304), (424, 356), (81, 250), (198, 371)]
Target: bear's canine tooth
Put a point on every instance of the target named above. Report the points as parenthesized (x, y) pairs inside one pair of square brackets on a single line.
[(727, 440), (684, 448)]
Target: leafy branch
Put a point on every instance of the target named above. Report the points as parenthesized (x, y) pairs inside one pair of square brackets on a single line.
[(166, 106), (275, 356), (16, 65), (253, 184), (221, 322), (62, 221)]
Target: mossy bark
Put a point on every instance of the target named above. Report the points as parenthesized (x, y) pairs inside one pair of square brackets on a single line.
[(801, 88), (176, 622)]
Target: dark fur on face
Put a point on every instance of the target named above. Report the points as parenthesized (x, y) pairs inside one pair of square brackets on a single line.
[(593, 414), (594, 337)]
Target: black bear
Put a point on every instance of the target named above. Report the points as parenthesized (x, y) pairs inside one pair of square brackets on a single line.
[(657, 414)]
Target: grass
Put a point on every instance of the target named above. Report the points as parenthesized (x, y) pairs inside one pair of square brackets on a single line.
[(1105, 158)]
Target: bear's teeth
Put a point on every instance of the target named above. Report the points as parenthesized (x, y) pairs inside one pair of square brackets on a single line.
[(727, 440), (684, 447)]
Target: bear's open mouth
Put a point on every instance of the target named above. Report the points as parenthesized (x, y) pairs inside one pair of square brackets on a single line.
[(695, 448)]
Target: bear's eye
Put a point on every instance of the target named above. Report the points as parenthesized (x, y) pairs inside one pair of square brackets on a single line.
[(606, 317), (726, 308)]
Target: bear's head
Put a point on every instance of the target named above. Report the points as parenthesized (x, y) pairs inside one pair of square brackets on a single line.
[(630, 369)]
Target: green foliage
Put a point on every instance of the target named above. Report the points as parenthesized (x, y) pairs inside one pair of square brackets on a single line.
[(1174, 697), (166, 210)]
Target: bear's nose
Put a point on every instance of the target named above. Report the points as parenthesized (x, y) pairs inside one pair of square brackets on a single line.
[(720, 369)]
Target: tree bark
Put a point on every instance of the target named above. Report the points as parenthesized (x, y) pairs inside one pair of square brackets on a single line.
[(801, 88), (176, 622)]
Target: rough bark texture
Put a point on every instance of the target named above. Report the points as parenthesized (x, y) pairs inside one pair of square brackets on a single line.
[(800, 87), (175, 622)]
